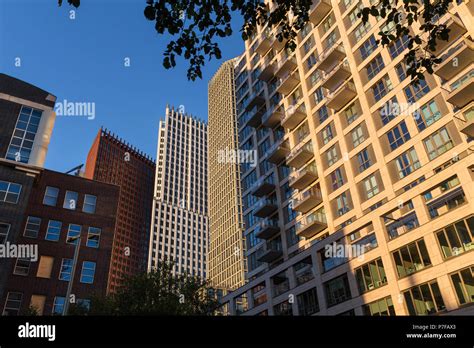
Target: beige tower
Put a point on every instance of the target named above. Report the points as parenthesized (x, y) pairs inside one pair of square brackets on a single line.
[(226, 266)]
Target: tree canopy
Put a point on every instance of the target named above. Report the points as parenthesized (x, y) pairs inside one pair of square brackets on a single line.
[(196, 26)]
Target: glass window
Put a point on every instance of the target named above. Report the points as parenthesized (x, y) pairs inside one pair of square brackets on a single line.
[(66, 270), (73, 233), (22, 266), (54, 230), (368, 47), (331, 156), (58, 305), (411, 258), (32, 227), (308, 302), (416, 90), (13, 303), (337, 179), (327, 134), (398, 46), (374, 67), (456, 238), (463, 282), (24, 135), (438, 143), (370, 276), (363, 159), (398, 135), (89, 204), (4, 230), (51, 196), (357, 136), (371, 186), (427, 115), (381, 88), (88, 271), (9, 192), (424, 299), (407, 163), (93, 237), (342, 204), (337, 290), (70, 200), (382, 307)]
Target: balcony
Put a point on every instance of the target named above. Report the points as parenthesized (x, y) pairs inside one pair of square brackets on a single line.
[(337, 76), (263, 186), (300, 155), (277, 152), (330, 57), (255, 116), (285, 65), (267, 70), (272, 252), (455, 60), (264, 42), (456, 30), (465, 120), (303, 177), (288, 82), (311, 225), (342, 95), (462, 91), (318, 10), (264, 207), (272, 117), (307, 200), (254, 99), (293, 116), (267, 228)]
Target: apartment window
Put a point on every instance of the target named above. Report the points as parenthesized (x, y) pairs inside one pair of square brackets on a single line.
[(463, 282), (361, 30), (9, 192), (73, 233), (424, 299), (54, 230), (374, 67), (353, 16), (308, 302), (323, 114), (331, 156), (369, 46), (306, 30), (351, 113), (407, 163), (371, 186), (363, 159), (342, 204), (70, 200), (381, 88), (382, 307), (327, 134), (318, 95), (13, 303), (416, 90), (456, 238), (337, 179), (398, 135), (45, 267), (89, 204), (402, 225), (58, 305), (22, 266), (370, 276), (427, 115), (337, 290), (88, 271), (66, 269), (411, 258), (357, 136), (32, 227), (389, 111), (283, 308), (327, 24), (398, 46), (93, 237), (4, 230), (51, 196), (24, 134), (438, 143)]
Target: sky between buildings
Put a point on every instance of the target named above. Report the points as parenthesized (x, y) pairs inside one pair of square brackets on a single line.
[(82, 60)]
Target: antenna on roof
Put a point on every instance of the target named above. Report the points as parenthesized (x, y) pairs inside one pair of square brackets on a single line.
[(76, 169)]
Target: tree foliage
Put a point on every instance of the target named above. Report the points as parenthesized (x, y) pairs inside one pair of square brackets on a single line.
[(159, 292), (196, 26)]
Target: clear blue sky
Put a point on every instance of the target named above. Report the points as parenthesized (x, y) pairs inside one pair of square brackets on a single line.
[(82, 60)]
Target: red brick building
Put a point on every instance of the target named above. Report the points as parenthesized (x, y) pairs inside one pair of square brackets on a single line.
[(113, 161)]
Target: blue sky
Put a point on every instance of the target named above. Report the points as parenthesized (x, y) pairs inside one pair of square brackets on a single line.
[(82, 60)]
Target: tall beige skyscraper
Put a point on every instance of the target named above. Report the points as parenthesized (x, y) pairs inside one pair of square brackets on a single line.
[(226, 266), (362, 201)]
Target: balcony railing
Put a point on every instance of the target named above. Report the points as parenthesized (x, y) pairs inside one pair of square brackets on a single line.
[(334, 78), (278, 151), (288, 82), (264, 42), (456, 59), (267, 69), (462, 90), (293, 116), (311, 225), (303, 177), (286, 64), (464, 120), (456, 30), (307, 200), (263, 186), (267, 228), (300, 155), (272, 252), (272, 116), (342, 95), (264, 207), (318, 10), (330, 57), (255, 98)]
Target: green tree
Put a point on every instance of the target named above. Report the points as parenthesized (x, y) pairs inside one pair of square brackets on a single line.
[(159, 292), (197, 25)]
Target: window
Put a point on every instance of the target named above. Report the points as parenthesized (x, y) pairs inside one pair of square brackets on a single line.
[(70, 200), (58, 305), (382, 307), (374, 67), (398, 46), (456, 238), (308, 302), (416, 90), (402, 225), (327, 134), (337, 290), (424, 299), (363, 159), (361, 30), (331, 156), (371, 186), (45, 267), (427, 115), (37, 302), (51, 196), (32, 227), (283, 308), (342, 204), (89, 204), (54, 230), (66, 269), (88, 271), (357, 136), (438, 143), (9, 192), (401, 71), (381, 88), (370, 276), (351, 113), (463, 282), (323, 114), (389, 111), (13, 303), (368, 47), (4, 230), (407, 163), (73, 234), (24, 135), (337, 179), (93, 237), (411, 258), (22, 266), (398, 135)]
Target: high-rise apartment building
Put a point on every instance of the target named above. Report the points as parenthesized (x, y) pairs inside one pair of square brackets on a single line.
[(179, 223), (226, 264), (111, 160), (362, 202)]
